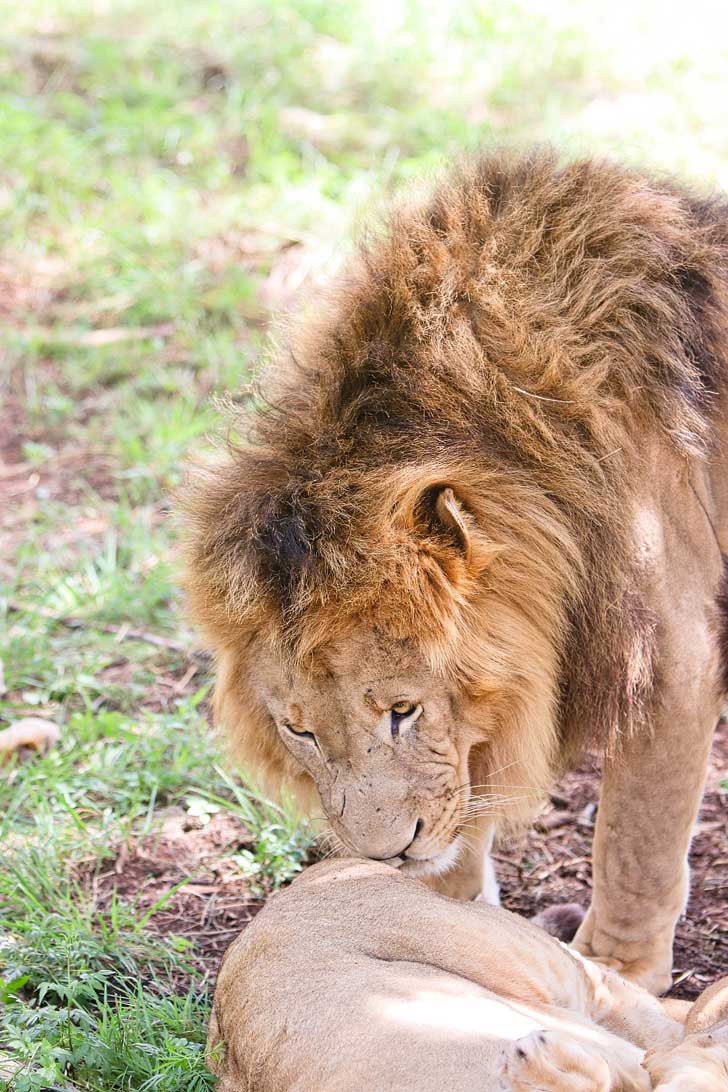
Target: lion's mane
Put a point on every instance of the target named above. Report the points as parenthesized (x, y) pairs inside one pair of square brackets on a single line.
[(515, 335)]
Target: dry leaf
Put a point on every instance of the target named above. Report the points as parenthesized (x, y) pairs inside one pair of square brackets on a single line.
[(32, 732)]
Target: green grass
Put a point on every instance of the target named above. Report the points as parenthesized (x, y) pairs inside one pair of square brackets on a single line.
[(95, 992), (170, 173)]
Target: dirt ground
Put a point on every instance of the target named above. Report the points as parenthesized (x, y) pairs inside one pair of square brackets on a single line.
[(550, 865)]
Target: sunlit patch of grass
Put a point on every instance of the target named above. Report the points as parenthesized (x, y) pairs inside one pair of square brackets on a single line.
[(109, 764), (119, 578)]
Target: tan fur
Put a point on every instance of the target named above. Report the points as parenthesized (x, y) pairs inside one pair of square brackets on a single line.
[(487, 477), (357, 978)]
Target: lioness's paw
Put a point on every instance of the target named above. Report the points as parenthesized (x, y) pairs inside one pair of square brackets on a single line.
[(550, 1061), (698, 1064)]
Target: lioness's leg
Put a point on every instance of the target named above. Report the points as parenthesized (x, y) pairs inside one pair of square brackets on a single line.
[(596, 1044), (700, 1062)]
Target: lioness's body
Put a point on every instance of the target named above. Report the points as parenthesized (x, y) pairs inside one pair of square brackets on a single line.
[(489, 491), (332, 989)]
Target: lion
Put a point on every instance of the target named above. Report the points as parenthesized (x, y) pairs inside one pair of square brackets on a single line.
[(330, 989), (476, 522)]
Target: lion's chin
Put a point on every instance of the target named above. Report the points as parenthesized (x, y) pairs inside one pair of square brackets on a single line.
[(434, 866)]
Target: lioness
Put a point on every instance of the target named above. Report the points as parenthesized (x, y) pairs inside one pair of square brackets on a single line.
[(478, 522), (331, 989)]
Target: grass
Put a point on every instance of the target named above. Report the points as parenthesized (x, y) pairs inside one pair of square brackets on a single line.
[(169, 176)]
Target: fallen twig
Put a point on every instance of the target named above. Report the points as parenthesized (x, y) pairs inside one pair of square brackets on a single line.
[(109, 335), (120, 632)]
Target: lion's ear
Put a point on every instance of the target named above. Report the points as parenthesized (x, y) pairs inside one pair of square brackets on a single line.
[(436, 516), (452, 519)]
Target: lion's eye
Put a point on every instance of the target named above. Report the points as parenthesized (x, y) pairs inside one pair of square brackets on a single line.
[(299, 733), (402, 710)]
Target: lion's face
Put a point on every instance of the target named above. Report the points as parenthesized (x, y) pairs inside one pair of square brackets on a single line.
[(386, 743)]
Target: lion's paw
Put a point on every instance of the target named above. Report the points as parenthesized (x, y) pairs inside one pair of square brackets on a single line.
[(550, 1061), (656, 980), (650, 970)]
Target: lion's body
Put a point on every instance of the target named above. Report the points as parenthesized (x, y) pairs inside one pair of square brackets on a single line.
[(331, 990), (496, 461)]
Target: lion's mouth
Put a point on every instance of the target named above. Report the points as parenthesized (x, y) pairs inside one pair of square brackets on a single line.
[(436, 865)]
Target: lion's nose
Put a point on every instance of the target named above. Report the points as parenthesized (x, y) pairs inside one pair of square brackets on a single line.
[(403, 852)]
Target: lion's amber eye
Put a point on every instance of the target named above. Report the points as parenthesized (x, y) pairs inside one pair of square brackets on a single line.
[(402, 710)]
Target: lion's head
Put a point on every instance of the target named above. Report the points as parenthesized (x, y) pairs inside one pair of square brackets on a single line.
[(384, 739), (415, 570), (384, 673)]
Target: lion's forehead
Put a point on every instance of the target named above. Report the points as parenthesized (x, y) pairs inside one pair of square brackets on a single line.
[(366, 699), (369, 659), (366, 665)]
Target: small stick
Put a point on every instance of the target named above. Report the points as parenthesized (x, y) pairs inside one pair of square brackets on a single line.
[(121, 632)]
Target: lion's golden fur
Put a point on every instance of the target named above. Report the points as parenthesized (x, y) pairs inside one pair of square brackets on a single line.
[(517, 335)]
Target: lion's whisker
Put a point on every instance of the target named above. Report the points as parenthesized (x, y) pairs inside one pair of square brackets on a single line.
[(483, 802)]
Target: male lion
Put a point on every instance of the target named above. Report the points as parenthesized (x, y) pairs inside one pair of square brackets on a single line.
[(479, 522), (331, 990)]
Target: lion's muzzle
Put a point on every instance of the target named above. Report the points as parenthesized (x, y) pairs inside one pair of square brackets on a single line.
[(379, 821)]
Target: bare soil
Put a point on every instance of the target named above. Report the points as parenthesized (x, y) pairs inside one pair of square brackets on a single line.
[(186, 868)]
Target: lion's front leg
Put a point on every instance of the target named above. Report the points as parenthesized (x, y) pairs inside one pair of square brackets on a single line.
[(651, 793)]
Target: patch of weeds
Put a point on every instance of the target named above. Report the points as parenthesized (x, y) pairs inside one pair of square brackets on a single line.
[(281, 842), (137, 1040), (58, 940), (90, 996), (86, 993), (110, 765), (275, 859)]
